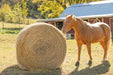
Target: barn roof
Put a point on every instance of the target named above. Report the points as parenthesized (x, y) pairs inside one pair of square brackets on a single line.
[(100, 8), (87, 10), (53, 19)]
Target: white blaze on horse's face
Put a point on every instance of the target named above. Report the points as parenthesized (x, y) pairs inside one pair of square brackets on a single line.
[(67, 24)]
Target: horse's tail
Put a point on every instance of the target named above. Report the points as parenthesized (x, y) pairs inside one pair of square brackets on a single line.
[(108, 35)]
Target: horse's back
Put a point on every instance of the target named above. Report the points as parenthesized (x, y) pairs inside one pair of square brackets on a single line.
[(98, 31), (101, 24)]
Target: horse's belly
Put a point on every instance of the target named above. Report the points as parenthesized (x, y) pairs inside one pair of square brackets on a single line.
[(97, 40), (98, 37), (94, 37)]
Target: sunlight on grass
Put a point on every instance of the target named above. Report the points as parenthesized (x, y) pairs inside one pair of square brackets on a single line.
[(7, 50)]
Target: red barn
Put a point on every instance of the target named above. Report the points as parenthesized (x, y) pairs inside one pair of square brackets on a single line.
[(101, 11)]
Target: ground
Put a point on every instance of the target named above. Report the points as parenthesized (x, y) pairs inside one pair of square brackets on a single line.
[(8, 63)]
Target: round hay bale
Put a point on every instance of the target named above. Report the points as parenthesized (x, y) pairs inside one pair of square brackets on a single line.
[(40, 46)]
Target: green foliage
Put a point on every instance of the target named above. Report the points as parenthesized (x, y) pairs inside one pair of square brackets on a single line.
[(32, 9), (4, 11), (9, 2), (11, 15), (2, 15), (24, 9), (50, 9), (18, 12), (21, 10)]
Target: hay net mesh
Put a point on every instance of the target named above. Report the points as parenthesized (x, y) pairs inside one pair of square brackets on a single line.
[(40, 46)]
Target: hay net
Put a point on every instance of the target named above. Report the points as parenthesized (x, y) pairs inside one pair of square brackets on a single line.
[(40, 46)]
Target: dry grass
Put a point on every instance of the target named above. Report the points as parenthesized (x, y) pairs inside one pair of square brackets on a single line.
[(8, 63)]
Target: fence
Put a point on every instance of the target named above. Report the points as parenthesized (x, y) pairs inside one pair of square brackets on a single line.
[(14, 28)]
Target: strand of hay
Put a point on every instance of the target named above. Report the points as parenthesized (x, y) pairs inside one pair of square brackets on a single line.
[(40, 46)]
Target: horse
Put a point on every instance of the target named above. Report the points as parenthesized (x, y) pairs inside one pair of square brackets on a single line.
[(87, 33)]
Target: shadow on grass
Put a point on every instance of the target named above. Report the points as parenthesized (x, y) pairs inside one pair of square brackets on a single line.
[(96, 70), (11, 30), (15, 70)]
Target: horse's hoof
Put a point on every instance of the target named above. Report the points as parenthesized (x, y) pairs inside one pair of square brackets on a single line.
[(77, 63), (103, 61), (90, 63)]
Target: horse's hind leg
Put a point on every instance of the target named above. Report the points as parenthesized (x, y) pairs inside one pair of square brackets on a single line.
[(105, 44), (105, 49)]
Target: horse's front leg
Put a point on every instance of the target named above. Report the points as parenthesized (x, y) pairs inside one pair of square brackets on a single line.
[(79, 52), (89, 52)]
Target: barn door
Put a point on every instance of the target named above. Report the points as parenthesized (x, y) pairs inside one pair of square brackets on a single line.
[(59, 25), (111, 24)]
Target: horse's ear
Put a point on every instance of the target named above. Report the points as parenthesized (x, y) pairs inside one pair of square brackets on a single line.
[(72, 15), (66, 15)]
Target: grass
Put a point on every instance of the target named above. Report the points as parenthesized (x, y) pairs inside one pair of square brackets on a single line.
[(8, 63)]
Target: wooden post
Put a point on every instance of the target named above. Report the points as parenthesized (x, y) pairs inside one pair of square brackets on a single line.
[(19, 22), (28, 21), (3, 25), (2, 29)]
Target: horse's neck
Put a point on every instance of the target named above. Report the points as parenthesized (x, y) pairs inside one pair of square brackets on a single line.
[(79, 26)]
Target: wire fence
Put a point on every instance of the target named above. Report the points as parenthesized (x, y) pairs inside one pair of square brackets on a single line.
[(14, 28)]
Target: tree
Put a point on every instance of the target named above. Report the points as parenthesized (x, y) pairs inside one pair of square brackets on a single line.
[(24, 9), (2, 15), (9, 2), (21, 10), (32, 9), (18, 11), (51, 9), (11, 15), (4, 11)]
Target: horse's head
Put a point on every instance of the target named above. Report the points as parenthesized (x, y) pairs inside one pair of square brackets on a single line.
[(67, 25)]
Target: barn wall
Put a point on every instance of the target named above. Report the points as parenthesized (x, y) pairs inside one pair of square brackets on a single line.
[(111, 24), (108, 20), (53, 23)]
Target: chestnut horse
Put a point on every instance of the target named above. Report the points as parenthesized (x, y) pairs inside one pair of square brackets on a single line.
[(86, 33)]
